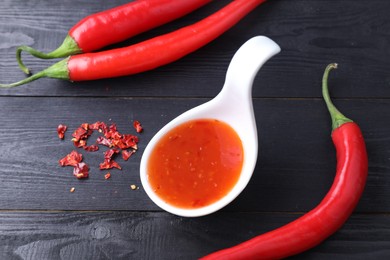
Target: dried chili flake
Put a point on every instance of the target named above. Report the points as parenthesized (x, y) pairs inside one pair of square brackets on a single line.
[(80, 143), (91, 148), (81, 170), (104, 141), (127, 154), (82, 132), (107, 176), (118, 143), (103, 128), (61, 129), (84, 126), (108, 161), (115, 135), (79, 133), (95, 126), (110, 153), (112, 132), (138, 127), (130, 140), (72, 189), (71, 159), (109, 164), (113, 128), (126, 142), (99, 126), (111, 138)]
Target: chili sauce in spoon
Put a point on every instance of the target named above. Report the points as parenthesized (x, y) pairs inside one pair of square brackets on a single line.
[(196, 163)]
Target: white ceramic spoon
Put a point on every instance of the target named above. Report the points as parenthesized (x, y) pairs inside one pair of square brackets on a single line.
[(233, 105)]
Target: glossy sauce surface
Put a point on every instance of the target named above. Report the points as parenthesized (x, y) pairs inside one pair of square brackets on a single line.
[(196, 163)]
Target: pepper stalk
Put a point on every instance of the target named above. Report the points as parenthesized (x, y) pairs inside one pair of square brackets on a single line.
[(338, 118)]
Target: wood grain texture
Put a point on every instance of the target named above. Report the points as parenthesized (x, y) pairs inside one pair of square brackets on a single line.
[(154, 235), (310, 33), (296, 155)]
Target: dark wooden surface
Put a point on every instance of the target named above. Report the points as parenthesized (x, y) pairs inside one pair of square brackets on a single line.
[(41, 219)]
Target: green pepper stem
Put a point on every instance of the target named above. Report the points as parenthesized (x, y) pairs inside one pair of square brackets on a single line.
[(337, 117), (58, 70), (68, 47)]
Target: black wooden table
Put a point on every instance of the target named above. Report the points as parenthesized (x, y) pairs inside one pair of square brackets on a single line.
[(105, 219)]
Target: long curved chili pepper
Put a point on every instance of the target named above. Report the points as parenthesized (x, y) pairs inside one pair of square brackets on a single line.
[(148, 54), (325, 219), (115, 25)]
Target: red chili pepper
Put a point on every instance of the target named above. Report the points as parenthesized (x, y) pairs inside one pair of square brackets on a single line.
[(325, 219), (149, 54), (115, 25)]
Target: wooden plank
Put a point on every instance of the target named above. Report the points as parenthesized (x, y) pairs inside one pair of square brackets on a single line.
[(137, 235), (296, 163), (311, 34)]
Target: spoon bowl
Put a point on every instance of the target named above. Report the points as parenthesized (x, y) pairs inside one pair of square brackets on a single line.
[(233, 105)]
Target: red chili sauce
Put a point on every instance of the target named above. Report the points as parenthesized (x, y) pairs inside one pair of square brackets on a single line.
[(196, 163)]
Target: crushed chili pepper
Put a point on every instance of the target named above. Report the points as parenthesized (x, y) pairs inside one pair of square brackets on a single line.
[(109, 165), (112, 132), (80, 143), (112, 138), (108, 161), (127, 154), (85, 126), (126, 142), (96, 125), (61, 129), (72, 189), (107, 176), (71, 159), (104, 141), (110, 153), (81, 134), (91, 148), (74, 159), (81, 170), (138, 127)]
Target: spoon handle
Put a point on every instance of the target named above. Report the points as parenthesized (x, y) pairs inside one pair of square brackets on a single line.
[(245, 64)]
